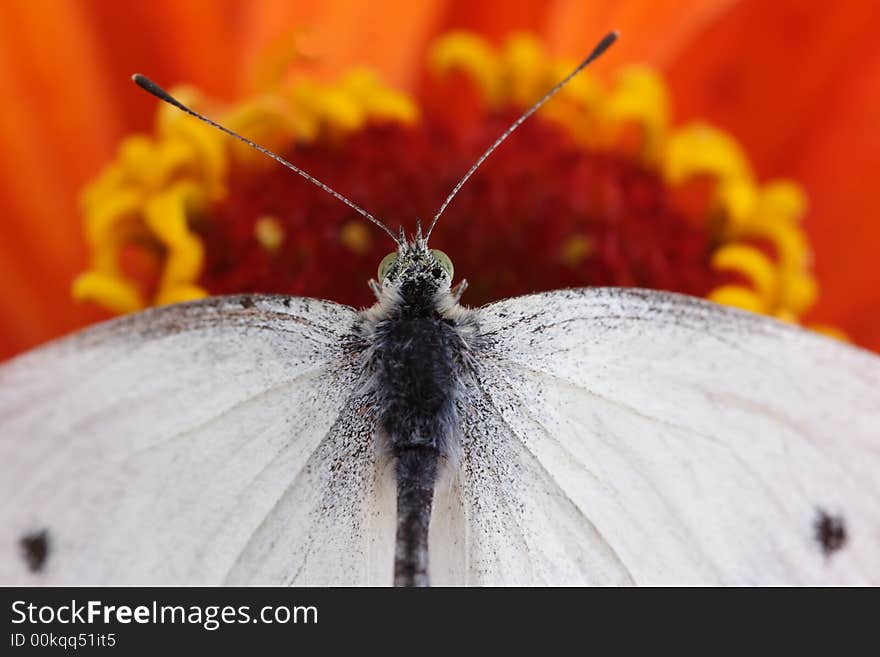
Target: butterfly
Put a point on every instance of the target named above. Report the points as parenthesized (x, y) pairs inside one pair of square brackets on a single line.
[(582, 436)]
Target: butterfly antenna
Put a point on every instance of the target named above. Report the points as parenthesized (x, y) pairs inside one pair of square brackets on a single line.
[(151, 87), (602, 46)]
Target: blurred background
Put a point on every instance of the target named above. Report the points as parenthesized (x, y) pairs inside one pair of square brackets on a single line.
[(726, 148)]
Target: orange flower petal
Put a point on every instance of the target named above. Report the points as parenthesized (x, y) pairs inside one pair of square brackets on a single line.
[(839, 170), (388, 36), (494, 20), (64, 71), (55, 130), (652, 31), (817, 125)]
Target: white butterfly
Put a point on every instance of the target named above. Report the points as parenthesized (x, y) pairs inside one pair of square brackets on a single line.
[(589, 436)]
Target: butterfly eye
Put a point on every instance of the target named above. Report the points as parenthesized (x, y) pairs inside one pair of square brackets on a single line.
[(385, 265), (444, 261)]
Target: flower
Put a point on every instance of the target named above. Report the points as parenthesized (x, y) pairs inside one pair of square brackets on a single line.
[(725, 62), (588, 192)]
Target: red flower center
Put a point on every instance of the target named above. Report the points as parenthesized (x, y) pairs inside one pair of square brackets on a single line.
[(542, 213)]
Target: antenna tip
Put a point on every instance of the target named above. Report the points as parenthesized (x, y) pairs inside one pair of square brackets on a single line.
[(600, 48), (608, 39), (151, 87)]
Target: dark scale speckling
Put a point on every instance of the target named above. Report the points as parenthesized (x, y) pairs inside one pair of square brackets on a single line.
[(35, 549), (418, 361), (830, 532)]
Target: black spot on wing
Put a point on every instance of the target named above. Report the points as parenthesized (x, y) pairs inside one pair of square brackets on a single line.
[(830, 532), (35, 550)]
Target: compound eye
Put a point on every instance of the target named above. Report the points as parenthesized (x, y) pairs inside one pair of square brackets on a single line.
[(444, 261), (386, 264)]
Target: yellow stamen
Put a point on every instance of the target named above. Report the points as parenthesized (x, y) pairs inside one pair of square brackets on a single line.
[(583, 90), (737, 296), (150, 165), (269, 122), (782, 199), (469, 54), (379, 102), (525, 67), (638, 97), (791, 243), (269, 232), (702, 149), (110, 291), (576, 249), (208, 154), (104, 214), (786, 316), (180, 294), (339, 110), (576, 106), (105, 253), (798, 292), (166, 216), (738, 199), (752, 264), (356, 237)]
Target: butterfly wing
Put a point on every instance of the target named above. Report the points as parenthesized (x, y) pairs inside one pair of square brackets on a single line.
[(618, 436), (218, 441)]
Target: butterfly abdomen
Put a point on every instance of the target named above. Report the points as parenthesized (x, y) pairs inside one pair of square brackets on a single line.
[(416, 356)]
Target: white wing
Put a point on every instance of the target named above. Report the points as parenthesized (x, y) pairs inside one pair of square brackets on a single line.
[(622, 436), (211, 442)]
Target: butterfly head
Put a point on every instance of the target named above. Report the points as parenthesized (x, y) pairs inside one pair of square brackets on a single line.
[(415, 268)]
